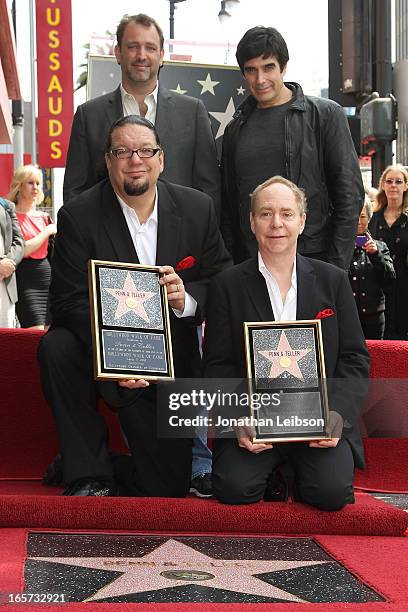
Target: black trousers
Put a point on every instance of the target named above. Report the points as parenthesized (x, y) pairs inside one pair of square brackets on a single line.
[(323, 477), (157, 467), (373, 326)]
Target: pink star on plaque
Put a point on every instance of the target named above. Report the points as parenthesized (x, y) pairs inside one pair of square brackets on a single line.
[(285, 359), (130, 299)]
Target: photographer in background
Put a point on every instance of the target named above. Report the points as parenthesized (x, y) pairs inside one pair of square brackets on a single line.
[(371, 271)]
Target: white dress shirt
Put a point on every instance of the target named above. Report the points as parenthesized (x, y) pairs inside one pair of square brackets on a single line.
[(131, 107), (144, 237), (282, 311)]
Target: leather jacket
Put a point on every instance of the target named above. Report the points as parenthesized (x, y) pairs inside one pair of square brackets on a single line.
[(370, 274), (321, 159)]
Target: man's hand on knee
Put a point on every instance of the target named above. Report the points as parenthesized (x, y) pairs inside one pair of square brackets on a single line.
[(133, 384), (244, 437), (334, 429), (328, 443)]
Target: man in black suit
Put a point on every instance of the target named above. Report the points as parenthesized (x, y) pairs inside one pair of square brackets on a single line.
[(280, 285), (184, 130), (181, 121), (130, 217)]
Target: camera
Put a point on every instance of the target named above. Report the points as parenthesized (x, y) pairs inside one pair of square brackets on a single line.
[(361, 240)]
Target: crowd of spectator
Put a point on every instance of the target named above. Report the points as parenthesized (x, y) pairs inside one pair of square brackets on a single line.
[(378, 270)]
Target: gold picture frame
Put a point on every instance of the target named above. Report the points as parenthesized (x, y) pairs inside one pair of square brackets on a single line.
[(130, 321), (285, 363)]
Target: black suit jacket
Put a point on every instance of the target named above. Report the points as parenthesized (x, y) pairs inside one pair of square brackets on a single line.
[(240, 294), (184, 130), (94, 227)]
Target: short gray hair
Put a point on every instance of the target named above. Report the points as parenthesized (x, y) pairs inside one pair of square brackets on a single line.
[(299, 194)]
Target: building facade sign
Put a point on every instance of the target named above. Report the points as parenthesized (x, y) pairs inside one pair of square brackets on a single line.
[(55, 80)]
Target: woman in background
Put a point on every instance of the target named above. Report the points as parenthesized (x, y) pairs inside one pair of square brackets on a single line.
[(11, 253), (390, 224), (371, 274), (34, 272)]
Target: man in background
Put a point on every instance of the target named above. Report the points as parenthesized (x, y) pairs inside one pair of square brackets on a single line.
[(278, 130), (182, 122)]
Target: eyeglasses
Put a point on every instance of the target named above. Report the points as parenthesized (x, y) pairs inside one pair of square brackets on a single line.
[(143, 153), (392, 181)]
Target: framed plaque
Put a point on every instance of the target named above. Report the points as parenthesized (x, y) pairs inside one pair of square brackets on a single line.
[(286, 380), (130, 322)]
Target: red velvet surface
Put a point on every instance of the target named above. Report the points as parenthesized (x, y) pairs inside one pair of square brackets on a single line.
[(28, 439), (385, 413), (368, 516), (13, 546), (389, 359), (380, 562), (386, 466)]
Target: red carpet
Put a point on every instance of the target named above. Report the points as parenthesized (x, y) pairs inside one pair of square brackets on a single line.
[(29, 442), (386, 471), (368, 516), (388, 358), (386, 459), (380, 562), (386, 466)]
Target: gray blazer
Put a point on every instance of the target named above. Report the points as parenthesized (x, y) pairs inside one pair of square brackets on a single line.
[(184, 130), (13, 244)]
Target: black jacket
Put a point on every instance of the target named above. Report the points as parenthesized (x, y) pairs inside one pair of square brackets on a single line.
[(321, 159), (240, 294), (92, 226), (185, 135), (369, 274), (396, 307)]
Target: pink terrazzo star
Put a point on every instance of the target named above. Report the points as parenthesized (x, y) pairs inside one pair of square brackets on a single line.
[(285, 359), (140, 574), (130, 299)]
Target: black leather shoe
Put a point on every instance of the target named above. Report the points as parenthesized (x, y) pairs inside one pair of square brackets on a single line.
[(53, 477), (90, 488), (201, 485), (277, 488)]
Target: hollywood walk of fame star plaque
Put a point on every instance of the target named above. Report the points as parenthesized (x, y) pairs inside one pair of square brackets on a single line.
[(286, 381), (118, 568), (130, 322)]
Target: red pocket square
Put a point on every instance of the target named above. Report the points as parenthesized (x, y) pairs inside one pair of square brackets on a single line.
[(187, 262), (322, 314)]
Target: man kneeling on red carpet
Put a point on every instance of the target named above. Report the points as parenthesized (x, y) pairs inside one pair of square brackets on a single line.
[(279, 284), (131, 216)]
